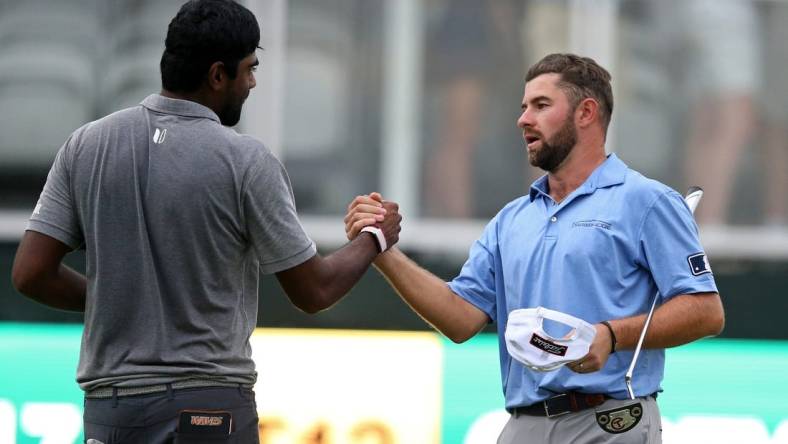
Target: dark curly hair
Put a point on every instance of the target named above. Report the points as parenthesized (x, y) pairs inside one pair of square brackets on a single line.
[(581, 77), (202, 33)]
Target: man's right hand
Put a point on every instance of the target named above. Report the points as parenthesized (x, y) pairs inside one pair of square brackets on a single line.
[(373, 210), (427, 294)]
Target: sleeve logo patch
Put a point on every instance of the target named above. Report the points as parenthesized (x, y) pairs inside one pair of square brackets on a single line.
[(699, 264)]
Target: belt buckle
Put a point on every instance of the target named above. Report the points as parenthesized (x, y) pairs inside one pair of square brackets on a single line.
[(547, 409)]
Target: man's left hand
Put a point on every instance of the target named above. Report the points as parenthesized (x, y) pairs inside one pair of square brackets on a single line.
[(597, 353)]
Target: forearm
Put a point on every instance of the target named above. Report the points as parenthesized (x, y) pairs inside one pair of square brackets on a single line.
[(65, 290), (430, 297), (341, 270), (683, 319)]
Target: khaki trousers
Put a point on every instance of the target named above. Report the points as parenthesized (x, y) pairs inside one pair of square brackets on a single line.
[(596, 425)]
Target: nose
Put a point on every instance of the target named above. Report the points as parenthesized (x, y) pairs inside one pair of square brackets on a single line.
[(524, 119), (252, 81)]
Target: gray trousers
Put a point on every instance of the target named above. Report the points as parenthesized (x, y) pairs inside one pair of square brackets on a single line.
[(602, 424)]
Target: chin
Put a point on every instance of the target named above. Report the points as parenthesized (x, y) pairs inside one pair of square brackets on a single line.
[(230, 119), (231, 114), (230, 123)]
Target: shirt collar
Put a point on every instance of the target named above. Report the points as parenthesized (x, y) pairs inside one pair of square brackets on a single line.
[(185, 108), (611, 172)]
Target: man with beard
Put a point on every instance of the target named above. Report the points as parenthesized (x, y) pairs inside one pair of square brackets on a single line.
[(177, 214), (592, 239)]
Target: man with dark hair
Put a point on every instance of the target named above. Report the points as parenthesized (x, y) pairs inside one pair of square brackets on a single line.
[(589, 246), (581, 77), (178, 214), (203, 33)]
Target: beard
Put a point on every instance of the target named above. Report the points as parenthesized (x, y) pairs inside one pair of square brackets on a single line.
[(230, 114), (554, 151)]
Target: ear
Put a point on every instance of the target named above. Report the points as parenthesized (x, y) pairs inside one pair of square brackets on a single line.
[(586, 113), (217, 76)]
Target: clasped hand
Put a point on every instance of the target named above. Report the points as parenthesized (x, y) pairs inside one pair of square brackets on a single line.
[(372, 210)]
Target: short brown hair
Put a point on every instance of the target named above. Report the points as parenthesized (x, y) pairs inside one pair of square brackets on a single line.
[(581, 78)]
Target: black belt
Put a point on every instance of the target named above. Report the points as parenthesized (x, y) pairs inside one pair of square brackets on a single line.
[(561, 404)]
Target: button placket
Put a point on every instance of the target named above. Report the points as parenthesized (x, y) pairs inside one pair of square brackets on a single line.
[(551, 230)]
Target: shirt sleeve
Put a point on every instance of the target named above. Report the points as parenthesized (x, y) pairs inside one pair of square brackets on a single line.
[(272, 224), (55, 214), (670, 248), (476, 282)]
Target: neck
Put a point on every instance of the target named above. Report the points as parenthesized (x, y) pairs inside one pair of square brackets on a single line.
[(198, 96), (575, 169)]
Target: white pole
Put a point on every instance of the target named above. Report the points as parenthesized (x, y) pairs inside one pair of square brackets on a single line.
[(262, 115), (593, 26), (402, 59)]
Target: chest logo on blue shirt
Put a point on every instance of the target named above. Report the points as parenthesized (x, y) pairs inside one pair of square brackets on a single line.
[(699, 264), (591, 224)]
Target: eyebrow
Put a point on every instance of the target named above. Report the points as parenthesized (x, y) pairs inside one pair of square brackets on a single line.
[(534, 100)]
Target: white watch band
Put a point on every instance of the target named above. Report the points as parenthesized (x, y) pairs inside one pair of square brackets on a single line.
[(378, 236)]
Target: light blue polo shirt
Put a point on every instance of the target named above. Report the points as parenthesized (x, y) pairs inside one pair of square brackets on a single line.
[(601, 254)]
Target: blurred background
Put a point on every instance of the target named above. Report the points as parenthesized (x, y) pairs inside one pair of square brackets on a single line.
[(418, 99)]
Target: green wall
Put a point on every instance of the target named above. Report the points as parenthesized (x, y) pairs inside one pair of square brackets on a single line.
[(719, 380)]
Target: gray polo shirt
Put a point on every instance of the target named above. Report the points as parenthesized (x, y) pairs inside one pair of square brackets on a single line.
[(177, 215)]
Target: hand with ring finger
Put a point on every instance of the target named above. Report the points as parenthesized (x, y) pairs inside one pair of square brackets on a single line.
[(598, 352)]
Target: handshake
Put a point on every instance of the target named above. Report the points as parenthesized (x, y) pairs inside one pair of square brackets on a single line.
[(371, 213)]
